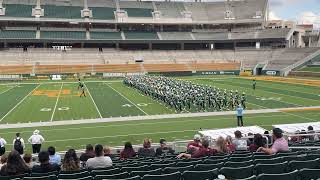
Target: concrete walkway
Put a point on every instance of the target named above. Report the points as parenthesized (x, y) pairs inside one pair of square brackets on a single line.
[(152, 117)]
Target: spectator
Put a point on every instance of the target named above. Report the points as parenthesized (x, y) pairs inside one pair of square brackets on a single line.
[(88, 154), (164, 149), (241, 144), (71, 161), (18, 144), (250, 138), (239, 112), (146, 150), (29, 161), (15, 165), (195, 145), (3, 160), (280, 144), (54, 158), (231, 147), (203, 151), (99, 161), (311, 131), (128, 151), (36, 140), (221, 145), (296, 138), (44, 166), (2, 146), (258, 141), (107, 152), (266, 133)]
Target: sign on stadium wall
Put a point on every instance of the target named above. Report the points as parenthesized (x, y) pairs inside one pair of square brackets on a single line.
[(122, 74), (270, 73), (218, 72)]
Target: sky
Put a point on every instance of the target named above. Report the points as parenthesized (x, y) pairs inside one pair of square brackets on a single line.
[(300, 11)]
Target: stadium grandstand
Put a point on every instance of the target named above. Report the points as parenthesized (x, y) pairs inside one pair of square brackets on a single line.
[(152, 90)]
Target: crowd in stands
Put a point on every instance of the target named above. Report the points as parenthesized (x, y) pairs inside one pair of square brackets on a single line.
[(17, 162)]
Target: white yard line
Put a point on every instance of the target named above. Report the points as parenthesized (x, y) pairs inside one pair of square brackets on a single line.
[(19, 103), (8, 89), (93, 101), (152, 123), (127, 99), (300, 116), (143, 118), (55, 106)]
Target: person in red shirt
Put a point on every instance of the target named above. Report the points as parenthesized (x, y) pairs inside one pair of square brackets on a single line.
[(230, 146), (258, 142), (195, 145), (203, 151)]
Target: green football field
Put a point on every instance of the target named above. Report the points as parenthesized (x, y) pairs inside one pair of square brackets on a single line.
[(32, 102)]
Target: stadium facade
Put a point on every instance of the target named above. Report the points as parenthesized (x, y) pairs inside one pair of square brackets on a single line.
[(239, 28)]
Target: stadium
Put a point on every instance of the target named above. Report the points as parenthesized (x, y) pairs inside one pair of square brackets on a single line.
[(95, 76)]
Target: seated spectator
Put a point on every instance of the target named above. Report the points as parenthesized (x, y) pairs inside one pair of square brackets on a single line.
[(99, 161), (14, 166), (296, 139), (221, 145), (3, 160), (88, 154), (311, 131), (250, 139), (258, 141), (266, 133), (146, 150), (241, 144), (29, 161), (203, 151), (195, 145), (71, 161), (128, 151), (164, 149), (107, 152), (45, 166), (231, 147), (54, 158), (280, 144)]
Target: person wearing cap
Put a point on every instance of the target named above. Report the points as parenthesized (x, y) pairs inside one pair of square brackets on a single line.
[(240, 144), (239, 112), (195, 145), (164, 149), (280, 144), (36, 140)]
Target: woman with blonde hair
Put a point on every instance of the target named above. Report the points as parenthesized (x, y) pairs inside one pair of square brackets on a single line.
[(221, 145), (231, 147), (71, 161), (146, 150)]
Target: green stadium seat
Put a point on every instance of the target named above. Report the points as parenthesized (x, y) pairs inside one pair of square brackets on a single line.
[(241, 155), (74, 175), (200, 175), (83, 178), (43, 174), (240, 159), (65, 12), (287, 154), (310, 164), (293, 158), (49, 177), (268, 161), (17, 34), (156, 166), (18, 10), (169, 170), (172, 176), (102, 12), (308, 174), (142, 173), (214, 161), (122, 175), (238, 164), (63, 35), (138, 168), (271, 168), (14, 177), (105, 35), (205, 167), (105, 172), (140, 35), (249, 178), (189, 163), (312, 156), (236, 173), (129, 178), (216, 157), (263, 156), (284, 176), (138, 12)]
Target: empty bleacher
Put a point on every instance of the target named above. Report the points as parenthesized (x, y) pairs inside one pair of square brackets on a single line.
[(18, 34), (56, 34), (140, 35), (170, 9), (102, 12), (18, 10), (105, 35), (175, 35), (137, 8), (66, 12)]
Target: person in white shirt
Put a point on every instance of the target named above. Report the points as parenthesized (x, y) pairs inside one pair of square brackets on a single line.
[(100, 161), (2, 146), (36, 140), (18, 144)]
